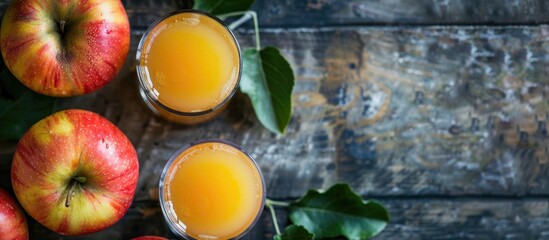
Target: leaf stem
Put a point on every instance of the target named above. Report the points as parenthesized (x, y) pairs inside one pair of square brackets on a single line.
[(256, 29), (278, 203), (273, 215), (246, 16)]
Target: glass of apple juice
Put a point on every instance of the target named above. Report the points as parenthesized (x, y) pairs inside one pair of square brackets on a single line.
[(189, 65), (211, 189)]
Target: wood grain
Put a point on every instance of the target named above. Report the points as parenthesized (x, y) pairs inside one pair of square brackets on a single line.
[(467, 219), (319, 13), (411, 219), (393, 111)]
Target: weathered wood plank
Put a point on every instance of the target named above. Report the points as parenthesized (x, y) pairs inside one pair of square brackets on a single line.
[(467, 219), (411, 219), (422, 110), (315, 13), (318, 13), (142, 13), (288, 13)]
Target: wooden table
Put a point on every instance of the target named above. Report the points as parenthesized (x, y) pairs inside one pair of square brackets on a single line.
[(437, 108)]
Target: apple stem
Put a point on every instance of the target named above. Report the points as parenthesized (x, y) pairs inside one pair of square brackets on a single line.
[(62, 26), (80, 179), (69, 193), (74, 181)]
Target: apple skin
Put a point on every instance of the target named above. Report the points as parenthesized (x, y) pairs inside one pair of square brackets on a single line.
[(83, 57), (13, 224), (66, 146), (149, 238)]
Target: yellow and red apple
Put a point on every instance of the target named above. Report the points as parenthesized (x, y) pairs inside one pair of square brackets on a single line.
[(65, 48), (75, 172), (13, 225)]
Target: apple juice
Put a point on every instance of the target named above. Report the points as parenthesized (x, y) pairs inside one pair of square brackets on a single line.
[(189, 66), (211, 190)]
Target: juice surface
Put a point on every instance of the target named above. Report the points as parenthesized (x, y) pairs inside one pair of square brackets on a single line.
[(192, 62), (214, 190)]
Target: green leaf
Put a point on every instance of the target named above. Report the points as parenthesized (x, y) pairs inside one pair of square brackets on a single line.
[(294, 232), (338, 212), (268, 80), (20, 107), (217, 7)]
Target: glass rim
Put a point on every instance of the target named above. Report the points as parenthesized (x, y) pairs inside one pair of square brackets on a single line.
[(141, 78), (173, 158)]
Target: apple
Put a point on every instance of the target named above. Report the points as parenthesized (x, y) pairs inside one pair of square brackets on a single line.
[(149, 238), (75, 172), (65, 48), (13, 224)]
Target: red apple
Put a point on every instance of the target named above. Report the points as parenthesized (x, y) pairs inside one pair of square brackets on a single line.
[(65, 48), (75, 172), (13, 225), (149, 238)]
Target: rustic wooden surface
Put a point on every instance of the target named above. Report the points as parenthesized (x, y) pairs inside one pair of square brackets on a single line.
[(401, 12), (447, 125)]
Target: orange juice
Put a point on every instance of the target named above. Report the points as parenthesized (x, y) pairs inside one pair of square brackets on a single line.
[(189, 65), (211, 190)]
